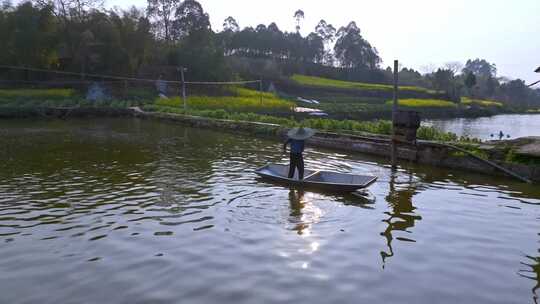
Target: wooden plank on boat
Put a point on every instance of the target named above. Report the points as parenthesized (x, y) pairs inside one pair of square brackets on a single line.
[(322, 180)]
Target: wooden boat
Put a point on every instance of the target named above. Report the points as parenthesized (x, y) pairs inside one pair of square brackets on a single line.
[(321, 180)]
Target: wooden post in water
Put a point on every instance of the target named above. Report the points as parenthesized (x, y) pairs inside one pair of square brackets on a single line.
[(394, 112)]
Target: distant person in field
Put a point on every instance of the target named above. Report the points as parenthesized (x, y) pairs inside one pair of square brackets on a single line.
[(297, 138), (501, 135)]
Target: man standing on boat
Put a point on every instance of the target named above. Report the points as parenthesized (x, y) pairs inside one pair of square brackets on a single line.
[(296, 138)]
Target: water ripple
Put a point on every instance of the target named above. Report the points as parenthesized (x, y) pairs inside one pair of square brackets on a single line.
[(123, 211)]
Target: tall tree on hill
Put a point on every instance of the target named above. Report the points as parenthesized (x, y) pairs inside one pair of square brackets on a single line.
[(443, 80), (314, 48), (516, 92), (197, 47), (327, 32), (135, 38), (190, 21), (470, 82), (30, 36), (491, 86), (162, 12), (353, 51), (455, 66), (298, 16), (73, 18), (480, 68), (225, 37), (230, 25)]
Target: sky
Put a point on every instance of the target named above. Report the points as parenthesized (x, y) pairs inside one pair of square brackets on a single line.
[(419, 33)]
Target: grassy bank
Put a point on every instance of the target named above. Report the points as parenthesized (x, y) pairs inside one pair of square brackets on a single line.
[(376, 127)]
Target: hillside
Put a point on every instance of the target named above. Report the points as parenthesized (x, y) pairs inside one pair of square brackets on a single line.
[(360, 100)]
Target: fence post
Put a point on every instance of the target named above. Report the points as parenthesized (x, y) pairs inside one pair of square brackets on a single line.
[(261, 90), (182, 69), (394, 112)]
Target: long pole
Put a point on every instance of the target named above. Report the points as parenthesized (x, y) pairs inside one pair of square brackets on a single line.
[(183, 88), (261, 90), (394, 113)]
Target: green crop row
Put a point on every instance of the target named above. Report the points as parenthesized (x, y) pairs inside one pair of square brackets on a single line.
[(244, 100), (325, 82), (480, 102), (425, 103), (37, 93)]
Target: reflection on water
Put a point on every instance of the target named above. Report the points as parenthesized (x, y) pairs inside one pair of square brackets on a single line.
[(296, 197), (127, 210), (513, 125), (401, 215), (532, 271)]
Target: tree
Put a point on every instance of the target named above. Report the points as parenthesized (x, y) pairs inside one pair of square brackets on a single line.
[(162, 12), (470, 82), (314, 48), (191, 20), (491, 86), (230, 25), (454, 66), (443, 80), (353, 51), (298, 16), (516, 92), (135, 39), (30, 36), (480, 68), (327, 32)]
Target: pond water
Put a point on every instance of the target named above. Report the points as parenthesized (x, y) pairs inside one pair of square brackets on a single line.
[(133, 211), (512, 126)]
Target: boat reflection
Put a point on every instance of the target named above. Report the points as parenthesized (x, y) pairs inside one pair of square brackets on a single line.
[(401, 215)]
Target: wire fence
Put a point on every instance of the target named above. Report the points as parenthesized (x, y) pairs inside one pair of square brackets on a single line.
[(101, 86)]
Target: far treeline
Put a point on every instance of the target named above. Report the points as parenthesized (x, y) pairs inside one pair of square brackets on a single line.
[(84, 37)]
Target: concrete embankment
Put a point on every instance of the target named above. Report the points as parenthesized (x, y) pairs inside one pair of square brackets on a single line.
[(424, 152)]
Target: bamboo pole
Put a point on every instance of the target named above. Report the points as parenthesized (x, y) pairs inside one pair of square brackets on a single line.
[(394, 112), (182, 69)]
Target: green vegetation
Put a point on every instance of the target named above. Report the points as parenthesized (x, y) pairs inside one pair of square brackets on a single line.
[(512, 157), (480, 102), (472, 148), (51, 94), (424, 103), (325, 82), (352, 108), (243, 100), (382, 127), (35, 98)]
